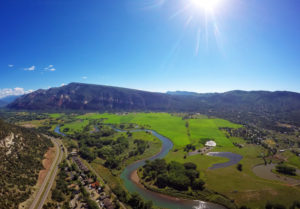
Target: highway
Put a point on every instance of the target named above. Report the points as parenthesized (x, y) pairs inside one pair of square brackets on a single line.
[(45, 188)]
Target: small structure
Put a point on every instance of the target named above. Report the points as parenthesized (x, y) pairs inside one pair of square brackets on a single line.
[(108, 204), (282, 150), (95, 185), (210, 143), (102, 196)]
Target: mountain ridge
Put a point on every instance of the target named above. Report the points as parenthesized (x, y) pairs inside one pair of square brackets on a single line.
[(250, 105)]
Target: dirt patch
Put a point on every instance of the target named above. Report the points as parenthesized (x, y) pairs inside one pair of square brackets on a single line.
[(134, 177), (47, 162), (28, 125), (284, 125)]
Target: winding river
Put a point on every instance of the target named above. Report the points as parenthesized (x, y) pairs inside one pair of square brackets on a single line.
[(233, 159), (57, 130), (158, 199)]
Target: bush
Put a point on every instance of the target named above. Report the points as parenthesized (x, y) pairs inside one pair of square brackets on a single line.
[(190, 165), (286, 169), (198, 184), (239, 167)]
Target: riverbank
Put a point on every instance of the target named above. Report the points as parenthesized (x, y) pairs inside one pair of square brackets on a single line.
[(266, 172), (163, 199), (210, 196)]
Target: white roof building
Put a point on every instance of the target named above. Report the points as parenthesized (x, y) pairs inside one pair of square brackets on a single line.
[(210, 144)]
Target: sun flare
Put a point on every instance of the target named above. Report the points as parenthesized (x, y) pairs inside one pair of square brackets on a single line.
[(207, 5)]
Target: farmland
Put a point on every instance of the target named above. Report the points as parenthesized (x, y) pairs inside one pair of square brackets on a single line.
[(173, 127), (242, 187)]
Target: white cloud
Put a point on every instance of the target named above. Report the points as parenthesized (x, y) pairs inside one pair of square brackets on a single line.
[(13, 92), (32, 68), (84, 77), (10, 66), (62, 84), (50, 68)]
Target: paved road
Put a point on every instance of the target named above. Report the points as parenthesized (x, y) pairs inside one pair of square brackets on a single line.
[(44, 190)]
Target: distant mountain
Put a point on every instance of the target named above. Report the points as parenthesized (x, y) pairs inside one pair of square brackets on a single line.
[(239, 106), (6, 100), (183, 93), (3, 103), (78, 96), (21, 154), (9, 99)]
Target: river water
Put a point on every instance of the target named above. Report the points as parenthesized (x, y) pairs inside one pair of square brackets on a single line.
[(159, 200), (233, 159)]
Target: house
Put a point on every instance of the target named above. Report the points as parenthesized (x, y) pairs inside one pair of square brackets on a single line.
[(282, 150), (108, 204), (102, 196), (95, 185), (90, 180), (211, 143)]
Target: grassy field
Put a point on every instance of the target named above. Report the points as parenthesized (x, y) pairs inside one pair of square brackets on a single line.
[(55, 115), (77, 125), (203, 129), (243, 187), (292, 159), (173, 127)]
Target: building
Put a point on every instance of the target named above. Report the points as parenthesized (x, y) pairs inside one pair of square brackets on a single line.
[(210, 143), (108, 204)]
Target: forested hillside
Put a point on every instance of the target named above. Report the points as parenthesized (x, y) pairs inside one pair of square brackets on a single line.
[(21, 154)]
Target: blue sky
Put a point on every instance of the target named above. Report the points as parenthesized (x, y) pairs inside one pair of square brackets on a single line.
[(154, 45)]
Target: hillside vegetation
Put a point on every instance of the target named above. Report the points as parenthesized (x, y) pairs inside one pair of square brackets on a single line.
[(21, 154)]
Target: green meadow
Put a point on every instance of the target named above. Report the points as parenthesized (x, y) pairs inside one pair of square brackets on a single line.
[(173, 127), (77, 125), (55, 115), (204, 129)]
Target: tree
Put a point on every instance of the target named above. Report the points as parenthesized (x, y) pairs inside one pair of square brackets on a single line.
[(92, 204), (198, 184), (192, 174), (239, 167), (286, 169), (112, 163), (162, 180), (57, 195), (86, 153), (190, 165)]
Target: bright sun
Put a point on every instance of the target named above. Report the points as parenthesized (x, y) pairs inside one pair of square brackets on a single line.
[(207, 5)]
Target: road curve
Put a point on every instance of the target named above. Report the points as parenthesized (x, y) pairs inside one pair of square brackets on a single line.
[(44, 190)]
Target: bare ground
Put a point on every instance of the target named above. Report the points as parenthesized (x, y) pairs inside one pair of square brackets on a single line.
[(47, 162)]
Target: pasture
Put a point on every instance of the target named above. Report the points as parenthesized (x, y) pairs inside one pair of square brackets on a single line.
[(173, 127)]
